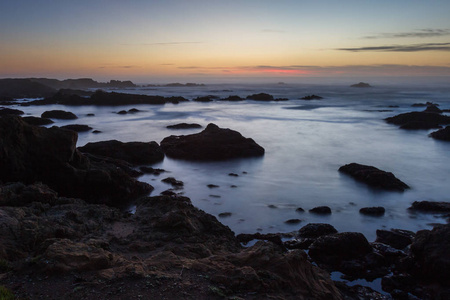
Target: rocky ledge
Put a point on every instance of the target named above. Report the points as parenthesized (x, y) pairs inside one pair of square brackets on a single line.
[(374, 177), (213, 143)]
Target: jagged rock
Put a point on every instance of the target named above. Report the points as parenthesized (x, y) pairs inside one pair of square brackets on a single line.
[(59, 114), (397, 238), (442, 134), (184, 126), (213, 143), (37, 121), (374, 177), (430, 206), (35, 154), (77, 127), (132, 152), (173, 181), (372, 211), (314, 230)]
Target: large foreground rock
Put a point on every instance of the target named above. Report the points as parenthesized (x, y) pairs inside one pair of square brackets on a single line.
[(374, 177), (213, 143), (35, 154), (132, 152), (167, 249)]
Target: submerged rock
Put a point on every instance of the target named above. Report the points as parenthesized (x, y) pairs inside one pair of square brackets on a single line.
[(132, 152), (213, 143), (374, 177), (442, 134)]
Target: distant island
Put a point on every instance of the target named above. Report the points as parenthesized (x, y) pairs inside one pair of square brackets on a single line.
[(361, 85), (175, 84)]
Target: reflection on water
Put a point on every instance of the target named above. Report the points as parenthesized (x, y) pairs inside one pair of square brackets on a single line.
[(305, 145)]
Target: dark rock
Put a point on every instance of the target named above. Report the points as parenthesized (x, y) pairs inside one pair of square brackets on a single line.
[(168, 193), (272, 206), (90, 115), (212, 186), (132, 152), (233, 175), (204, 99), (59, 114), (421, 120), (315, 230), (311, 97), (96, 131), (225, 215), (397, 238), (150, 170), (10, 111), (361, 85), (433, 109), (416, 125), (37, 121), (430, 206), (233, 98), (374, 177), (122, 112), (260, 97), (442, 134), (35, 154), (134, 110), (299, 209), (424, 104), (213, 143), (272, 237), (321, 210), (372, 211), (77, 127), (333, 249), (24, 88), (293, 221), (173, 181), (184, 126), (431, 252)]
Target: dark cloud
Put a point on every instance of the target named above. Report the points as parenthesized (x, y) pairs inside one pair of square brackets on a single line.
[(421, 33), (402, 48)]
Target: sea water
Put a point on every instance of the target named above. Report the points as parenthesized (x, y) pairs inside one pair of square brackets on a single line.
[(305, 143)]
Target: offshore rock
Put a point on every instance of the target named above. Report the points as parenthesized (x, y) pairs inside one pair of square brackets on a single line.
[(213, 143), (184, 126), (430, 206), (442, 134), (35, 154), (77, 127), (133, 152), (261, 97), (373, 211), (374, 177), (59, 114), (419, 120)]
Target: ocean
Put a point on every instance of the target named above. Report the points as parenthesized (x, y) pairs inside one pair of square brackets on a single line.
[(305, 141)]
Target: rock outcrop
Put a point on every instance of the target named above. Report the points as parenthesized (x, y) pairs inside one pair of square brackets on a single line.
[(213, 143), (374, 177), (59, 114), (419, 120), (442, 134)]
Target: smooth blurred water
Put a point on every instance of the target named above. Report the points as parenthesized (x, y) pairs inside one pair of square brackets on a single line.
[(305, 142)]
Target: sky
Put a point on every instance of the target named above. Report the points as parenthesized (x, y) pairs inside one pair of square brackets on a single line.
[(201, 40)]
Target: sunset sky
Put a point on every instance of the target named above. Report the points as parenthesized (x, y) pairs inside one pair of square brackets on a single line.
[(167, 40)]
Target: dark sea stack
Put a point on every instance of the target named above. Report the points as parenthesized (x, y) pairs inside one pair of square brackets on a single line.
[(311, 97), (10, 111), (374, 177), (59, 114), (432, 108), (138, 153), (184, 126), (213, 143), (321, 210), (77, 127), (260, 97), (233, 98), (442, 134), (314, 230), (24, 88), (204, 99), (431, 206), (36, 154), (361, 85), (37, 121), (419, 120), (372, 211), (397, 238)]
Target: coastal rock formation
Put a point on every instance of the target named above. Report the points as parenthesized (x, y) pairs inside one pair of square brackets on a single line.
[(374, 177), (419, 120), (59, 114), (311, 97), (77, 127), (372, 211), (184, 126), (430, 206), (260, 97), (10, 111), (397, 238), (35, 154), (213, 143), (133, 152), (24, 88), (37, 121), (233, 98), (361, 85), (314, 230), (442, 134), (321, 210)]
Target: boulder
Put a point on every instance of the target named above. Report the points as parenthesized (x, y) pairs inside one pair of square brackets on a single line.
[(397, 238), (133, 152), (204, 99), (213, 143), (442, 134), (233, 98), (419, 120), (35, 154), (321, 210), (372, 211), (77, 127), (184, 126), (59, 114), (37, 121), (431, 206), (374, 177), (10, 111), (315, 230), (260, 97)]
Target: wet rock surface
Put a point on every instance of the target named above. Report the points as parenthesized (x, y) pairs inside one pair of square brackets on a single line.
[(77, 127), (59, 114), (37, 121), (374, 177), (213, 143), (442, 134)]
